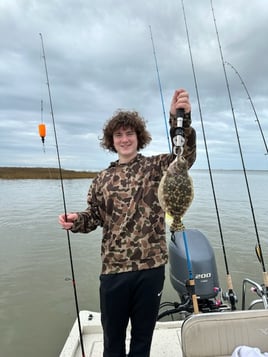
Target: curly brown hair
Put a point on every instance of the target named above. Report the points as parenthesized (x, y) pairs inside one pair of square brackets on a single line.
[(125, 119)]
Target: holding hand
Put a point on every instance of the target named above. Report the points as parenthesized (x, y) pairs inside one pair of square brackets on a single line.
[(180, 100), (67, 221)]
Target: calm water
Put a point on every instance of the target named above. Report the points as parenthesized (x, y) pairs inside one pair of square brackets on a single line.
[(36, 298)]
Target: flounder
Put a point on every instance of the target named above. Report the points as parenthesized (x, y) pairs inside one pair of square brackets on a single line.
[(176, 192)]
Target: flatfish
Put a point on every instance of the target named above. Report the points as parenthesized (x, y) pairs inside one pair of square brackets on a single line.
[(176, 192)]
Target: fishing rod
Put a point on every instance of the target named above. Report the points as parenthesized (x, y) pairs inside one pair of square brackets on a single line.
[(160, 88), (191, 281), (64, 200), (252, 105), (230, 295), (178, 141), (265, 275)]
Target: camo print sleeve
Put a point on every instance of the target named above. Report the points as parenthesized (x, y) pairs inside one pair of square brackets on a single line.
[(89, 219), (123, 200), (189, 151)]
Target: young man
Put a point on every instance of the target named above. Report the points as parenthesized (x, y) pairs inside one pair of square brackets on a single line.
[(123, 200)]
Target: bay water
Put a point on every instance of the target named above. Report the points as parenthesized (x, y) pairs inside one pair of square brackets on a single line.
[(37, 307)]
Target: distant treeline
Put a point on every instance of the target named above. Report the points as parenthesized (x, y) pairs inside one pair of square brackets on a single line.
[(18, 173)]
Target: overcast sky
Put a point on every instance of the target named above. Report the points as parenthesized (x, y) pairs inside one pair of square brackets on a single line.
[(100, 58)]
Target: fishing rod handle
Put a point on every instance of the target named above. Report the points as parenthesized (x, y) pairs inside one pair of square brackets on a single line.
[(179, 116), (178, 134)]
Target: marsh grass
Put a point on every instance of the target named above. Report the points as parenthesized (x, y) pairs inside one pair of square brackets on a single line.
[(22, 173)]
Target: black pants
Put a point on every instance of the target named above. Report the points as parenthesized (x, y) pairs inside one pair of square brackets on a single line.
[(135, 296)]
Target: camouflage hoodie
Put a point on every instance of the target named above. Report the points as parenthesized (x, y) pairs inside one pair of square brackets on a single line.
[(122, 199)]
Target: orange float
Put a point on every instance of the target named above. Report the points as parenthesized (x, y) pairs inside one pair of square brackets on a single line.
[(42, 131)]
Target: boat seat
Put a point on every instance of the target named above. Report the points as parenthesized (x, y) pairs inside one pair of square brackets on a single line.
[(218, 334)]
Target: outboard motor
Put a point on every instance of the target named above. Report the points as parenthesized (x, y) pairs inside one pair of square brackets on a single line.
[(204, 273), (203, 264)]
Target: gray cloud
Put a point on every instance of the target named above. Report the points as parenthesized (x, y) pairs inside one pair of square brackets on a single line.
[(99, 56)]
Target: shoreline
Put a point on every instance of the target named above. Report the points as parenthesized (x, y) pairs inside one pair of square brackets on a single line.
[(47, 173), (42, 173)]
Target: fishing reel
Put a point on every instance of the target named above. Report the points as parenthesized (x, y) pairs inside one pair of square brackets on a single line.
[(231, 298)]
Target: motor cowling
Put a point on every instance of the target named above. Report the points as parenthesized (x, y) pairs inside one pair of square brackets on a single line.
[(202, 264)]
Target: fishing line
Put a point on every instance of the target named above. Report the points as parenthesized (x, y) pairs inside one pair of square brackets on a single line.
[(64, 200), (160, 88), (178, 140), (231, 295), (265, 275), (252, 105), (42, 133), (42, 128)]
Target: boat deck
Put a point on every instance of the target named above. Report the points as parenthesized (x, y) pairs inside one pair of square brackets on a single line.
[(166, 338), (200, 335)]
